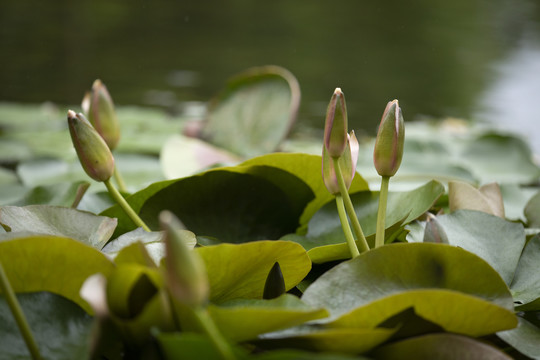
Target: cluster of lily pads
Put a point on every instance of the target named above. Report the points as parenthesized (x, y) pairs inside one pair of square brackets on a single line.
[(253, 256)]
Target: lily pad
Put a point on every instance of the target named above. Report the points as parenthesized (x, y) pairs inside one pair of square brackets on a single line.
[(50, 263), (239, 271), (397, 268), (88, 228), (439, 346), (525, 338), (241, 320), (497, 241), (255, 112), (525, 285), (532, 211), (61, 328), (153, 242)]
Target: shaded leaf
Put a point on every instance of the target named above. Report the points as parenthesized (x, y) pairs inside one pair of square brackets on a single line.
[(62, 194), (60, 221), (532, 211), (439, 347), (61, 328), (49, 263), (240, 270)]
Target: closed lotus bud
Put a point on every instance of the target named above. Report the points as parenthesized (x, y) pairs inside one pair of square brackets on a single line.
[(94, 154), (389, 143), (275, 284), (186, 272), (347, 164), (335, 126), (99, 108)]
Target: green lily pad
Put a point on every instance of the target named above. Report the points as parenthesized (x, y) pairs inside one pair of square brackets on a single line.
[(453, 311), (255, 111), (515, 199), (62, 194), (324, 239), (61, 328), (88, 228), (239, 271), (497, 241), (439, 347), (525, 338), (49, 263), (188, 345), (397, 268), (525, 285), (241, 320), (532, 211)]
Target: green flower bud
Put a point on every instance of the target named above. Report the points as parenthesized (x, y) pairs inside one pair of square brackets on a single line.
[(94, 154), (99, 108), (389, 143), (335, 126), (275, 284), (347, 164), (186, 272)]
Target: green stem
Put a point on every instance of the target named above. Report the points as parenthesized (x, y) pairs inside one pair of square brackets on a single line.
[(213, 333), (18, 314), (345, 226), (349, 207), (124, 205), (381, 214), (119, 180)]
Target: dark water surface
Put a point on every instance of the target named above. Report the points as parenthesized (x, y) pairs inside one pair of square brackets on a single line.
[(476, 59)]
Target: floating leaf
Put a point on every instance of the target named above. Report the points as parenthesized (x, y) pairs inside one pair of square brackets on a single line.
[(439, 346), (453, 311), (49, 263), (240, 271), (153, 242), (525, 285), (397, 268), (241, 320), (525, 338), (255, 112), (497, 241), (532, 211), (60, 221), (62, 194), (61, 328), (188, 345)]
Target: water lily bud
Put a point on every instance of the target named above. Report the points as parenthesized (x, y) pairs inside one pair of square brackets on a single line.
[(335, 126), (186, 271), (347, 164), (389, 143), (99, 108), (94, 154)]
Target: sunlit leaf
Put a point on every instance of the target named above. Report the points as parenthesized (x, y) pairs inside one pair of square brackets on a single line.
[(397, 268), (241, 320), (239, 271), (49, 263)]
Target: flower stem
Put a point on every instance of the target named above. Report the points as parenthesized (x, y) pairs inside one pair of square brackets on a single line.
[(18, 314), (213, 333), (124, 205), (350, 208), (345, 226), (381, 214), (119, 180)]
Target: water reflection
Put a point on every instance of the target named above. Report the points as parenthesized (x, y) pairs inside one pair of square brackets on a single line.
[(437, 57)]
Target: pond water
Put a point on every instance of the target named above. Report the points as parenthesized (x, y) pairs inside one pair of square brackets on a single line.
[(473, 59)]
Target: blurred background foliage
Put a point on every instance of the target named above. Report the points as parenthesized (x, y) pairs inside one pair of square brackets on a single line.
[(462, 58)]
